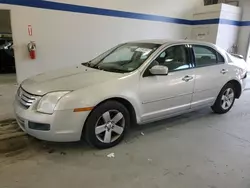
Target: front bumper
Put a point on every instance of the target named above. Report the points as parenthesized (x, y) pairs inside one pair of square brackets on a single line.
[(244, 83), (65, 125)]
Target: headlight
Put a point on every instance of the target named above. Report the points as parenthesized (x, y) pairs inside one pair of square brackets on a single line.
[(48, 102)]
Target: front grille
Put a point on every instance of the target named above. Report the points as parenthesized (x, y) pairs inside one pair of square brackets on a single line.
[(26, 99)]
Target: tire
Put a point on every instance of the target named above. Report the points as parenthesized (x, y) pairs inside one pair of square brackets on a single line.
[(227, 93), (107, 125)]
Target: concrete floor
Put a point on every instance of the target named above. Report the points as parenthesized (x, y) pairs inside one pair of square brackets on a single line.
[(8, 87), (6, 79), (199, 149)]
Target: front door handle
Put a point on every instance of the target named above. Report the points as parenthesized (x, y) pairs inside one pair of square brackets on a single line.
[(187, 78), (223, 71)]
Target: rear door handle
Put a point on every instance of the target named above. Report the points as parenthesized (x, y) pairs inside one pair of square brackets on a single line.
[(223, 71), (187, 78)]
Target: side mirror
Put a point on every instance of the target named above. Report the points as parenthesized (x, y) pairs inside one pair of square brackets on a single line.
[(159, 70)]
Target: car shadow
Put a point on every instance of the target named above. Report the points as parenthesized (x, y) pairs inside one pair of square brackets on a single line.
[(169, 123)]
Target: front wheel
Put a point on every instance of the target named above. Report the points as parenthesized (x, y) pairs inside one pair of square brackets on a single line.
[(107, 125), (225, 99)]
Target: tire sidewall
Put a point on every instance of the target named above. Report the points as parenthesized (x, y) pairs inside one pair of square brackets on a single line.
[(217, 106), (89, 130)]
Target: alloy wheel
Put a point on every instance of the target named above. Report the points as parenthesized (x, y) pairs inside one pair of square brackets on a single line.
[(110, 126), (227, 98)]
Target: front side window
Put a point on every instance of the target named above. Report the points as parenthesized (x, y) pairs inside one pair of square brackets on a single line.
[(125, 58), (175, 58), (206, 56)]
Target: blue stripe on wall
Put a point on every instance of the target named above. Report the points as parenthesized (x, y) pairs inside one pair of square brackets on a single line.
[(206, 22), (245, 23), (118, 13), (94, 10), (230, 22)]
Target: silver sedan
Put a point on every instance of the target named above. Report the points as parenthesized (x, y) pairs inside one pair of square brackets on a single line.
[(132, 83)]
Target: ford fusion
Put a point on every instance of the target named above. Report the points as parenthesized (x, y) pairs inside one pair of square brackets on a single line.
[(132, 83)]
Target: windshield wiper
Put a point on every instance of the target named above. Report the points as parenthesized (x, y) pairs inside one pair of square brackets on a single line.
[(88, 64), (117, 70)]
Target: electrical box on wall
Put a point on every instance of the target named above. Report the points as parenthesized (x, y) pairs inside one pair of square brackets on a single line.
[(230, 2), (200, 33), (210, 2)]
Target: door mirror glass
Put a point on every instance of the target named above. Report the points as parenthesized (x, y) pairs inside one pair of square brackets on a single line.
[(159, 70)]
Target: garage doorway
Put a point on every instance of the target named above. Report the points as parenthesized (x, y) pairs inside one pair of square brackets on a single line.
[(7, 59)]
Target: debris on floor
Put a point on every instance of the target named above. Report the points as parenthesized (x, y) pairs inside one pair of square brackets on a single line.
[(12, 138), (63, 153), (181, 174), (51, 150), (14, 153), (111, 155), (142, 133)]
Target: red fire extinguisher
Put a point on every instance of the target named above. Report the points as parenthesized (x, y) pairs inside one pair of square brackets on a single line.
[(32, 50)]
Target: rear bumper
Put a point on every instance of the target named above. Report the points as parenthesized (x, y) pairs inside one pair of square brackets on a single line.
[(64, 125)]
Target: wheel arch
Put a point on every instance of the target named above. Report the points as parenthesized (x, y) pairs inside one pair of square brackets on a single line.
[(126, 103)]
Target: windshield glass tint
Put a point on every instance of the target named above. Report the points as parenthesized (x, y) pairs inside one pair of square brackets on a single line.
[(125, 58)]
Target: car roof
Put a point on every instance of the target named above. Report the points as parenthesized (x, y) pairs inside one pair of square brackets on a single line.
[(166, 41)]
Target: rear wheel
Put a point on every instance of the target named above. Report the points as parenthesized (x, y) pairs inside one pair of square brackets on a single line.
[(107, 125), (225, 99)]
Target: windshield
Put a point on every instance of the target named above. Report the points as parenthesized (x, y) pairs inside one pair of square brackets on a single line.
[(124, 58)]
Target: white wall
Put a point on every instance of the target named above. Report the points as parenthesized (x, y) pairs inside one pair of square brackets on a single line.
[(227, 36), (66, 38), (208, 32), (224, 35), (244, 33)]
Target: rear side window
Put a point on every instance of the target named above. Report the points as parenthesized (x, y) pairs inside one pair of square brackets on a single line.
[(220, 58), (206, 56)]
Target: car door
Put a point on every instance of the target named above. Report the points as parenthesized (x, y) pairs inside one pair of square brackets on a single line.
[(163, 95), (210, 75)]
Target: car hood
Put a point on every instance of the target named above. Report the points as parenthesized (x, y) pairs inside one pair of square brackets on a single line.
[(67, 80)]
